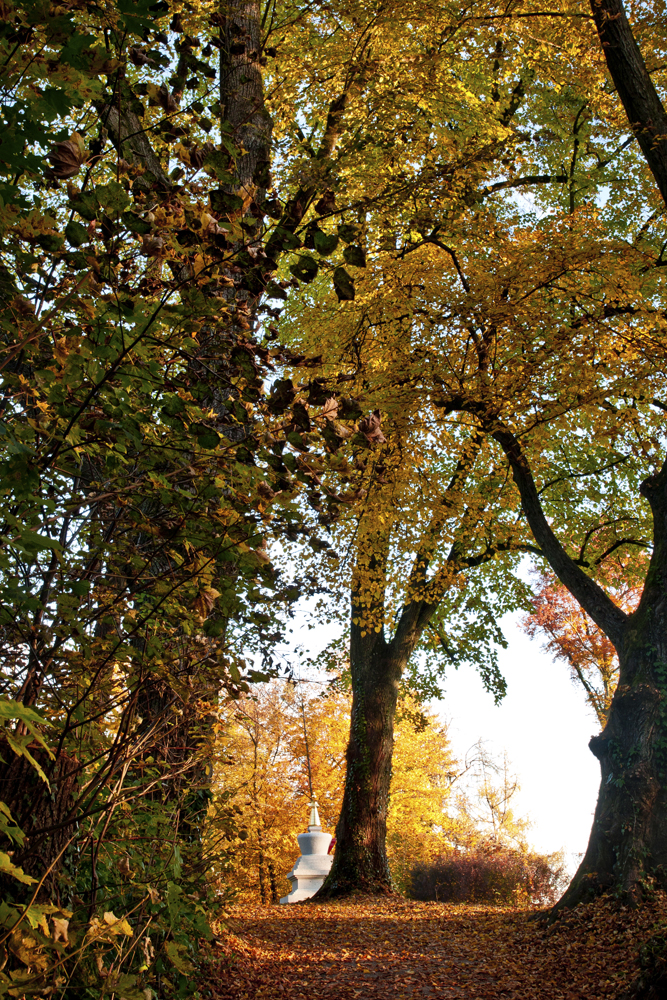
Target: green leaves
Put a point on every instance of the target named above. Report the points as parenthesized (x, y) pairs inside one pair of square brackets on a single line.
[(135, 224), (325, 243), (76, 234), (86, 204), (222, 202), (206, 437), (112, 196), (7, 867), (347, 232), (284, 239), (306, 269), (11, 710), (354, 255), (343, 285)]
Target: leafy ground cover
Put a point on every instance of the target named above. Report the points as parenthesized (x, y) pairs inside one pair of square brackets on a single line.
[(401, 949)]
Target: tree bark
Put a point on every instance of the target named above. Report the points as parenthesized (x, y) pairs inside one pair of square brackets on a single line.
[(360, 862), (46, 815), (627, 848), (242, 95), (643, 107)]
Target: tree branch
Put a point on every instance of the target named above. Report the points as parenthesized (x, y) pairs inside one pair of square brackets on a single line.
[(640, 99), (530, 179), (129, 137), (606, 615)]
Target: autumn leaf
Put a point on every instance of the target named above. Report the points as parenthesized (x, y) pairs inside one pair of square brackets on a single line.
[(370, 428), (396, 947), (354, 255), (324, 243), (68, 157), (139, 57), (326, 204), (330, 409), (152, 246), (205, 601)]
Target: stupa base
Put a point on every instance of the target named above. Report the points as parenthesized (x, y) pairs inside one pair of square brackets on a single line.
[(304, 890)]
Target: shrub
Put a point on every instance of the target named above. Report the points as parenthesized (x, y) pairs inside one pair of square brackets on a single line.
[(489, 873)]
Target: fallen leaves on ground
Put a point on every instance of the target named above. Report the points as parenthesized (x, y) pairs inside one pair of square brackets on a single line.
[(396, 949)]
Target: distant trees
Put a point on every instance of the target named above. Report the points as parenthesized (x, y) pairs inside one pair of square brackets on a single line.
[(439, 807), (261, 782)]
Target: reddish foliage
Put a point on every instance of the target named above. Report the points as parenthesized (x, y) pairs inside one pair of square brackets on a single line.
[(392, 949), (491, 873), (575, 637)]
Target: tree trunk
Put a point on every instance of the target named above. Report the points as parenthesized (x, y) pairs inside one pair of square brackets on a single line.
[(627, 849), (46, 815), (628, 843), (360, 862), (642, 104)]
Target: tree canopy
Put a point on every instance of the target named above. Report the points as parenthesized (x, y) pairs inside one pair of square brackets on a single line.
[(385, 279)]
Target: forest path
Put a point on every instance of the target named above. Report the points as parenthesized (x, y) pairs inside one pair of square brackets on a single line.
[(399, 950)]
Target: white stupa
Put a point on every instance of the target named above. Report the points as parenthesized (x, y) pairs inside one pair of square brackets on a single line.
[(312, 867)]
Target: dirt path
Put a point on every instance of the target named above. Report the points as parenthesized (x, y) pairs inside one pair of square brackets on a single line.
[(395, 950)]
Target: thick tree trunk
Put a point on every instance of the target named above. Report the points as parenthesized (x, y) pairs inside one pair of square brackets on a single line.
[(360, 862), (627, 849), (45, 814), (245, 119), (628, 843), (642, 104)]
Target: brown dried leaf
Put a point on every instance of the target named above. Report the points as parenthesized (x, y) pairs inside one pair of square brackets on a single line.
[(60, 928), (330, 409), (198, 154), (152, 246), (370, 428), (67, 157), (166, 100), (327, 203), (139, 58), (341, 430)]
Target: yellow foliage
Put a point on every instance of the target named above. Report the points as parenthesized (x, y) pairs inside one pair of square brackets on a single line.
[(262, 792)]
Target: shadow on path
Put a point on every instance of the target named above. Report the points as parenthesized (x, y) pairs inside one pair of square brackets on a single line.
[(396, 949)]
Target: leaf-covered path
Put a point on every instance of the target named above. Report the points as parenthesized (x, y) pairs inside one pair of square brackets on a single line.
[(391, 950)]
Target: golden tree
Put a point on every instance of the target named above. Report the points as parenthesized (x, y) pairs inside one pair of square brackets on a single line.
[(262, 784), (463, 299)]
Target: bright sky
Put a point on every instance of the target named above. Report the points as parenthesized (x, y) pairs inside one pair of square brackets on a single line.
[(543, 723), (545, 726)]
